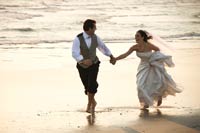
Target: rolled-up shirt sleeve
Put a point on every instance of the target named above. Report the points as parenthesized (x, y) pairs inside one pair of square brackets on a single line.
[(103, 48), (76, 54)]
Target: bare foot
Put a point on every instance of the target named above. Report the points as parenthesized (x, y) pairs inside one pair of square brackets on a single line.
[(145, 107), (159, 101), (88, 108), (93, 107)]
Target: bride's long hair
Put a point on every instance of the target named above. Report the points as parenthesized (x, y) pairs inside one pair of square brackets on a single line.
[(156, 40), (145, 34)]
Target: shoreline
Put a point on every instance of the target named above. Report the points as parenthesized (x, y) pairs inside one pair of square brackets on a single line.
[(52, 99)]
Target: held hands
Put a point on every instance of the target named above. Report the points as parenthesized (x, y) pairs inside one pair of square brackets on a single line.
[(113, 60), (88, 62)]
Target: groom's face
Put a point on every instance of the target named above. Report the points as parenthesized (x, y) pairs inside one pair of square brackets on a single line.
[(92, 30)]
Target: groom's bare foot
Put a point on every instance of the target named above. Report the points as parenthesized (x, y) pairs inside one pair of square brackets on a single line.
[(88, 109), (93, 107)]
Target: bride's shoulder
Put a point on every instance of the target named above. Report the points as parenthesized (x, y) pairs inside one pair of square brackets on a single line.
[(135, 47), (153, 47), (150, 44)]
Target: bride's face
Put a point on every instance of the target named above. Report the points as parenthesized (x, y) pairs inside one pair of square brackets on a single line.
[(138, 37)]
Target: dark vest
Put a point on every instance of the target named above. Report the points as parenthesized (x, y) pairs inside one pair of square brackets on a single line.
[(88, 53)]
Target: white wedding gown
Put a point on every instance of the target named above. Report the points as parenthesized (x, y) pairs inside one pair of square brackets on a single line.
[(153, 81)]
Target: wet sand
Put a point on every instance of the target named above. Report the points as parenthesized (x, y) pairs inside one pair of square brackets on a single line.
[(49, 100)]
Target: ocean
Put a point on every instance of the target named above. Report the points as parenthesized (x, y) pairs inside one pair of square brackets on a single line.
[(55, 21), (42, 31)]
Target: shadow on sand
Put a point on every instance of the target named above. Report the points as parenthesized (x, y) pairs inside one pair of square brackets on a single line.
[(91, 119)]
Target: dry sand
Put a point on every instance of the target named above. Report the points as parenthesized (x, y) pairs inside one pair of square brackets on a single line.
[(52, 100)]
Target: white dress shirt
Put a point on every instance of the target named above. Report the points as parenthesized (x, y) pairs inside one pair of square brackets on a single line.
[(76, 54)]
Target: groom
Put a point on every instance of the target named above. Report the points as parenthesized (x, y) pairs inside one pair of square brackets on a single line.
[(84, 52)]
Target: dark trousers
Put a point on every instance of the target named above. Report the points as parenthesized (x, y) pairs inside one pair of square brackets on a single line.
[(89, 77)]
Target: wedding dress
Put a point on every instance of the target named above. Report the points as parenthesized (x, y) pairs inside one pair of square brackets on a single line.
[(153, 81)]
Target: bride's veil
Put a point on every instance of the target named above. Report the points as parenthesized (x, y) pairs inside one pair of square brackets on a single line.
[(161, 43)]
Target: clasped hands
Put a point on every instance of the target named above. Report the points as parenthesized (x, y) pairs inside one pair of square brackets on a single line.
[(88, 62), (113, 60)]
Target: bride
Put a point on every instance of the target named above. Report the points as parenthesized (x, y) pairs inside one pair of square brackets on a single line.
[(153, 82)]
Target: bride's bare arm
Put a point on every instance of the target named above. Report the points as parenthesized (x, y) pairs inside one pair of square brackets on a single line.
[(122, 56), (153, 47)]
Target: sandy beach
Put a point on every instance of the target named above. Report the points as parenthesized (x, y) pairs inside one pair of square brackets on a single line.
[(40, 89), (52, 100)]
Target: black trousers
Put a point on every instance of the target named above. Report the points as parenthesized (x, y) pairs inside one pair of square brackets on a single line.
[(89, 77)]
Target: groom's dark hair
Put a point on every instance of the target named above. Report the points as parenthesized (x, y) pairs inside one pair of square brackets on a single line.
[(89, 23)]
